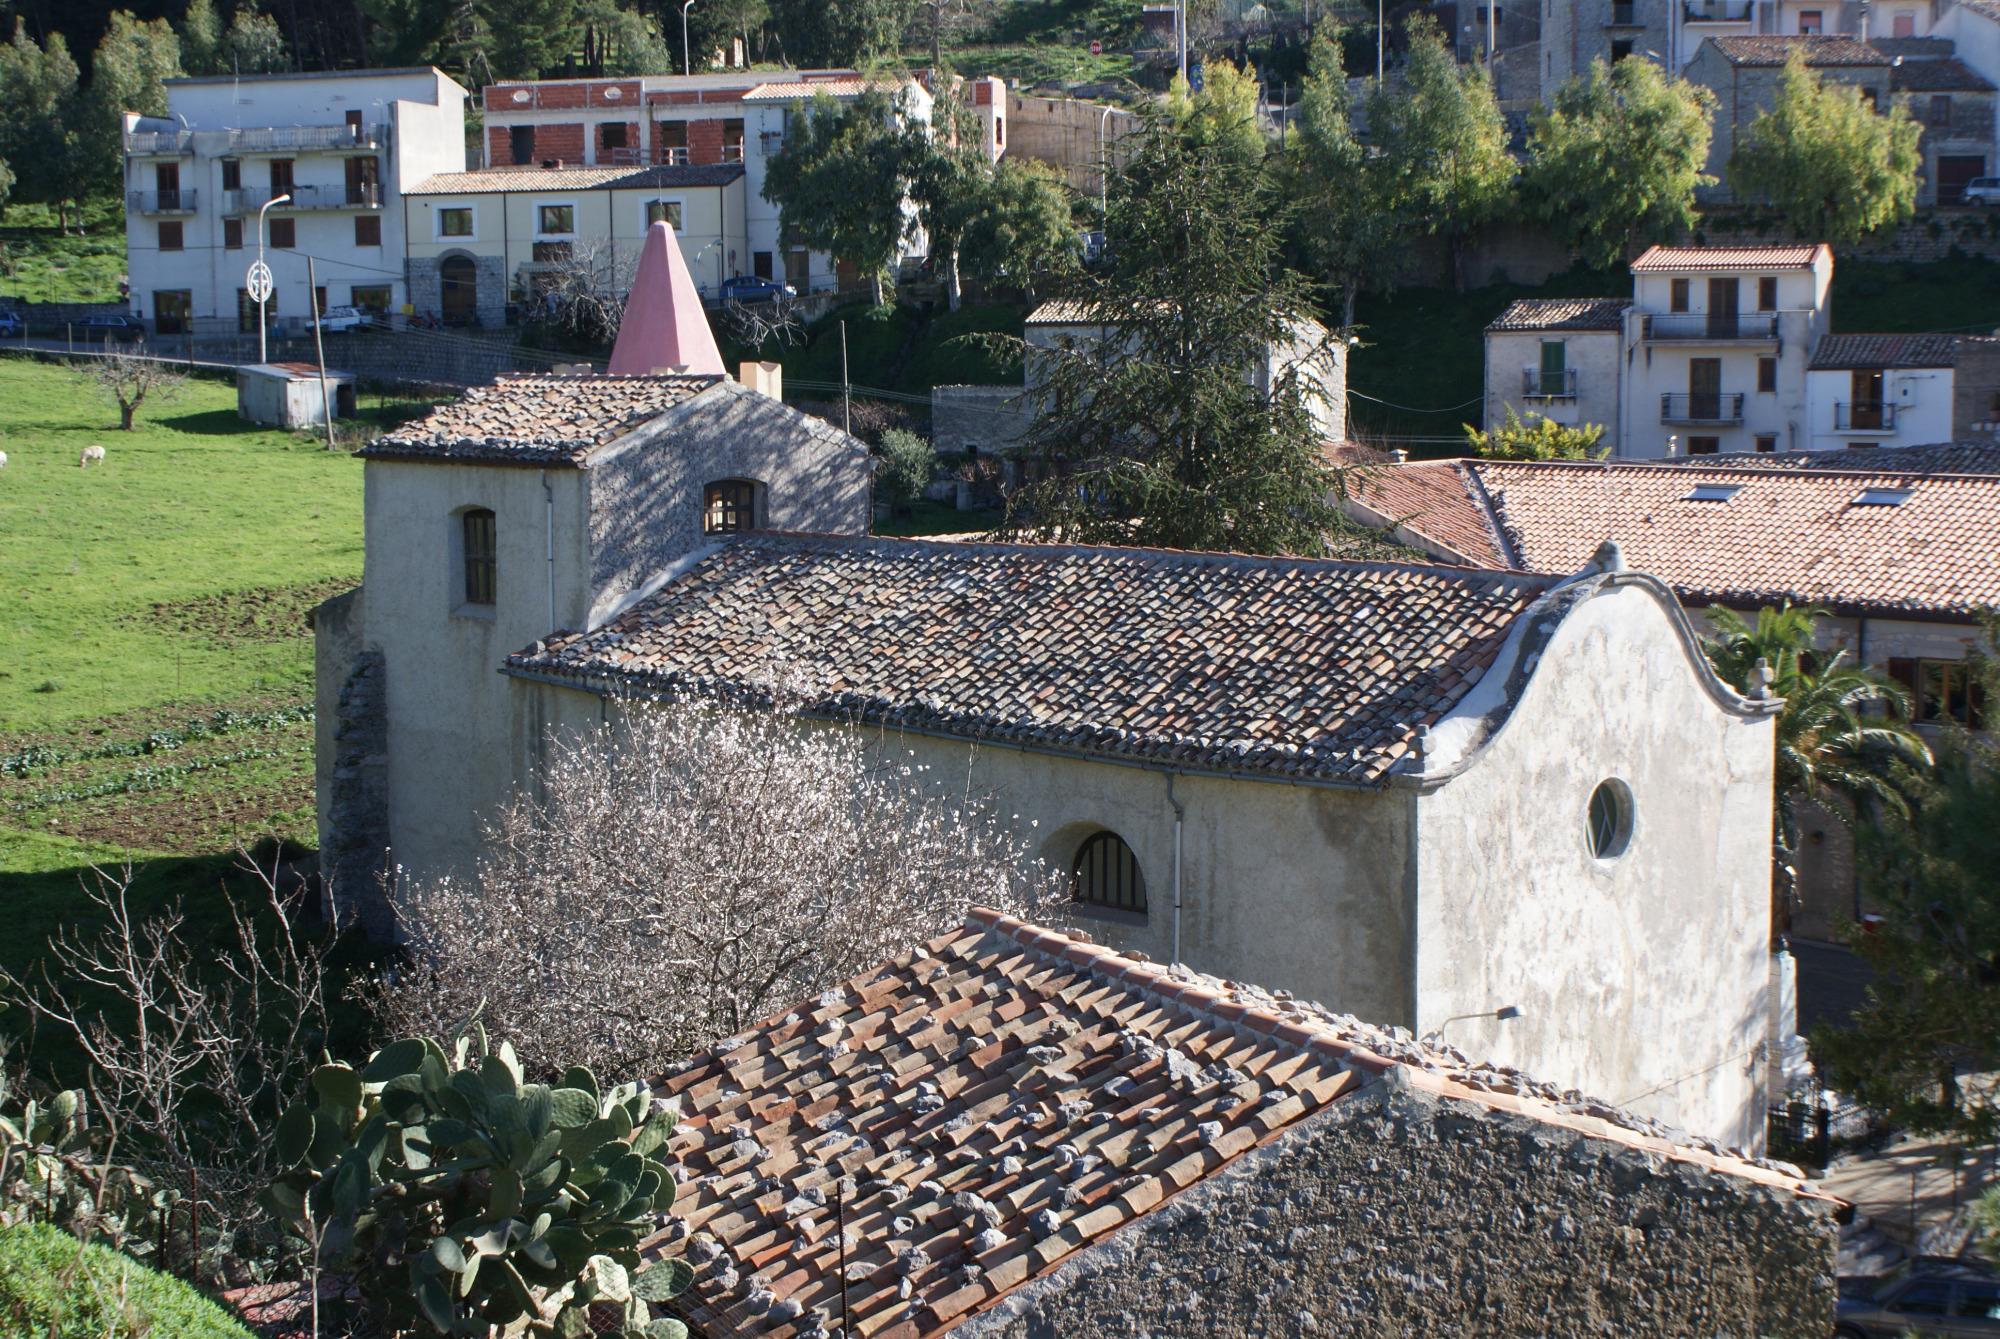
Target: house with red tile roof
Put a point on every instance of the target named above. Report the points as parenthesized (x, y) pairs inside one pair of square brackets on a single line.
[(1011, 1131)]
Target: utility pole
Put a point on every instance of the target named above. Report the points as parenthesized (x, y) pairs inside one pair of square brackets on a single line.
[(1180, 31), (1381, 46), (319, 348), (846, 396), (1492, 34)]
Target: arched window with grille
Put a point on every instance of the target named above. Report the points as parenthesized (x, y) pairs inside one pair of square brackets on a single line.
[(1106, 874), (729, 506)]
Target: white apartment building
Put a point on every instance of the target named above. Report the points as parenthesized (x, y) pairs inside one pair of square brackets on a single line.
[(1709, 355), (335, 150), (1887, 390), (1719, 339), (738, 116)]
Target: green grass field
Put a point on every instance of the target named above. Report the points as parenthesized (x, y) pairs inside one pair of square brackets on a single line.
[(40, 264), (156, 686)]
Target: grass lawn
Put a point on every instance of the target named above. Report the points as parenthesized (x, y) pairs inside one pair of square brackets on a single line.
[(155, 696), (938, 518), (40, 264)]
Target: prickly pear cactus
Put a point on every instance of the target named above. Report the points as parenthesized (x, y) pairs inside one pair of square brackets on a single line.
[(51, 1172), (456, 1195)]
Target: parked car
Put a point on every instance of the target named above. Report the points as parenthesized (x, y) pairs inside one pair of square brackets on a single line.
[(1983, 191), (341, 320), (749, 288), (11, 324), (120, 329), (1924, 1296)]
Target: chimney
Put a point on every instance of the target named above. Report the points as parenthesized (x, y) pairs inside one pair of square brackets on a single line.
[(1401, 456), (766, 379)]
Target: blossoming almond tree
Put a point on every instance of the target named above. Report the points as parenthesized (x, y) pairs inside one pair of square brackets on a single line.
[(685, 872)]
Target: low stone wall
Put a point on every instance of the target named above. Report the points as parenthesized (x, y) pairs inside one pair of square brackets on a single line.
[(1396, 1212), (978, 419)]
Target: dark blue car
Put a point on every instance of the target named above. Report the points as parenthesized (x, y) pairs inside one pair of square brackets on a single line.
[(11, 325), (749, 288)]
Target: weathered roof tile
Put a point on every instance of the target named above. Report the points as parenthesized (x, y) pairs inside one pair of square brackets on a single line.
[(1285, 667), (536, 420)]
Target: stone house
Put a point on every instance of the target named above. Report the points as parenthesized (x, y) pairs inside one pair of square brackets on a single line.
[(1420, 794), (1011, 1132), (1955, 105), (1745, 74), (1901, 550), (1558, 359)]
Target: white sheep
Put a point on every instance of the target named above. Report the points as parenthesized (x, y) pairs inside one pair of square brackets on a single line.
[(91, 455), (3, 460)]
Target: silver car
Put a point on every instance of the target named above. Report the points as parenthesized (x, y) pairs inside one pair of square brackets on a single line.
[(1924, 1297), (1983, 191)]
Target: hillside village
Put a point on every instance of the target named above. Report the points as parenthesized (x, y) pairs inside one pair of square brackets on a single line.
[(999, 668)]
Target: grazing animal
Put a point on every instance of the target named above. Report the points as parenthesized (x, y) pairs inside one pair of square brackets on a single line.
[(91, 454), (3, 460)]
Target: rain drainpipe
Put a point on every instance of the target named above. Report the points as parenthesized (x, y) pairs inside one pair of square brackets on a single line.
[(549, 530), (1180, 813)]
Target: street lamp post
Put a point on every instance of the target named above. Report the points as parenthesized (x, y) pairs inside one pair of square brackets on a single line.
[(1103, 169), (687, 52), (258, 282)]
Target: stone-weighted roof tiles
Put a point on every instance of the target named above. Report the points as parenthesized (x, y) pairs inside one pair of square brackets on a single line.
[(1289, 668)]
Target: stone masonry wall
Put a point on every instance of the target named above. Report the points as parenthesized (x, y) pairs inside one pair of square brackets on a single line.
[(1396, 1213), (489, 272), (351, 747), (978, 418)]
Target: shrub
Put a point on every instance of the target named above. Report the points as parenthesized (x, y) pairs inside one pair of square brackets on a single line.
[(54, 1169), (56, 1287), (908, 462), (455, 1194), (1536, 439)]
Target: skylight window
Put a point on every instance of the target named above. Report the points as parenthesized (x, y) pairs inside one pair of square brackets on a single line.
[(1883, 497), (1714, 492)]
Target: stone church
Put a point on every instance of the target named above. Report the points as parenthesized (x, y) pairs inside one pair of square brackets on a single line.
[(1515, 809)]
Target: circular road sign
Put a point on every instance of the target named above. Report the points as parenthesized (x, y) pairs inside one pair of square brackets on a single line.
[(257, 283), (1096, 47)]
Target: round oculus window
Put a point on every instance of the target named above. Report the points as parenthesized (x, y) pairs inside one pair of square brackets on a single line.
[(1608, 825)]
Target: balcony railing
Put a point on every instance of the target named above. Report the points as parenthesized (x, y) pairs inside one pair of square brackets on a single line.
[(287, 139), (733, 153), (1864, 416), (1713, 326), (367, 196), (160, 202), (1719, 11), (1711, 407), (1539, 385), (160, 141)]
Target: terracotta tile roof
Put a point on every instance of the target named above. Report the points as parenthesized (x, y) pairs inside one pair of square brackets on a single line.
[(1436, 502), (1797, 534), (668, 176), (1836, 352), (1819, 50), (1288, 668), (493, 180), (1056, 311), (1344, 454), (941, 1130), (536, 420), (804, 90), (1676, 259), (1562, 314), (1937, 76), (1940, 458), (1915, 48)]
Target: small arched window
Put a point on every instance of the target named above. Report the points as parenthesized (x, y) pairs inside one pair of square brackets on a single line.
[(1608, 823), (480, 548), (1106, 874), (729, 506)]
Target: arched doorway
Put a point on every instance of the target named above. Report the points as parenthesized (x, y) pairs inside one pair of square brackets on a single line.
[(458, 290)]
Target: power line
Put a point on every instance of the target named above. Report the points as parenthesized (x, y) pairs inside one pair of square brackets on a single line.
[(1478, 399)]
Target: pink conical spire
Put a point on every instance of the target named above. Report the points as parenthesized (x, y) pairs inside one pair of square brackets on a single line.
[(664, 325)]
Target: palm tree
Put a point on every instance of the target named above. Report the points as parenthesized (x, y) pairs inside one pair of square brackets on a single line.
[(1842, 736)]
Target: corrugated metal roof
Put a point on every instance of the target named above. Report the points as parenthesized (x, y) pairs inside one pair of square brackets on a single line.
[(1668, 259)]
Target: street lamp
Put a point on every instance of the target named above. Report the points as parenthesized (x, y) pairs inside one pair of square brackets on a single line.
[(687, 52), (1504, 1014), (1103, 169), (258, 281)]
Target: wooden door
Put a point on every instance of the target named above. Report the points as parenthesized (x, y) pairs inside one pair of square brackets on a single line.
[(1704, 388), (1722, 308), (1864, 407), (458, 295)]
